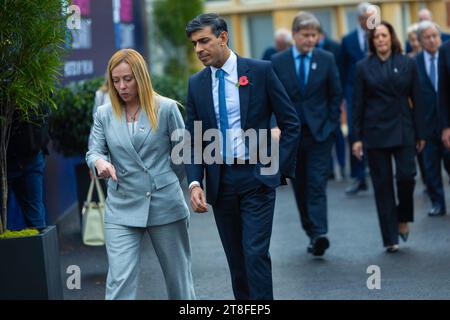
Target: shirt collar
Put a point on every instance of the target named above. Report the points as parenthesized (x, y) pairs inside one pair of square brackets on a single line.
[(428, 55), (361, 31), (296, 53), (229, 65)]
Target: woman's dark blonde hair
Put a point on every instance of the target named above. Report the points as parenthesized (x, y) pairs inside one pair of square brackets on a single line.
[(145, 90)]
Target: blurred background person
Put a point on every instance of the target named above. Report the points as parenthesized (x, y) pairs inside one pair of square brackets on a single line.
[(283, 40), (354, 47), (328, 44), (388, 127), (426, 15), (101, 95), (444, 92), (434, 153), (413, 40), (311, 79)]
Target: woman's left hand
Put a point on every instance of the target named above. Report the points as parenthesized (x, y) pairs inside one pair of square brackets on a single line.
[(420, 144)]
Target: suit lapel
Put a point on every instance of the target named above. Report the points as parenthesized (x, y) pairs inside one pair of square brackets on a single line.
[(423, 69), (123, 136), (244, 91), (142, 131), (290, 65), (312, 69), (208, 98)]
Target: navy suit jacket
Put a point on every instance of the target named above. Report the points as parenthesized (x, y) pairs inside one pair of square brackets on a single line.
[(444, 85), (429, 96), (319, 106), (350, 54), (263, 96), (388, 109)]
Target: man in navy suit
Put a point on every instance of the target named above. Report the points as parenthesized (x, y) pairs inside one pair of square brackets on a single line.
[(233, 94), (354, 47), (434, 152), (311, 79)]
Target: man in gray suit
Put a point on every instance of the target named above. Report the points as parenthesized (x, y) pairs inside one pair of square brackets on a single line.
[(131, 145)]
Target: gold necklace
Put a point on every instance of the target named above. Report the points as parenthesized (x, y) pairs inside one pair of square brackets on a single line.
[(133, 117)]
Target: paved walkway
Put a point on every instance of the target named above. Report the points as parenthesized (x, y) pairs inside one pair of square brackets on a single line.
[(421, 270)]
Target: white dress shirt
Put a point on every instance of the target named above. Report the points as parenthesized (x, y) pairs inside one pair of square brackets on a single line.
[(233, 106), (362, 38), (427, 58)]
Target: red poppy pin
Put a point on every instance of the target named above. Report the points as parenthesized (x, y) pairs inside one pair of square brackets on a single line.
[(243, 81)]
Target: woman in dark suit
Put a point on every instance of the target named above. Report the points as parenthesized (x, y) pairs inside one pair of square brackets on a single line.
[(388, 121)]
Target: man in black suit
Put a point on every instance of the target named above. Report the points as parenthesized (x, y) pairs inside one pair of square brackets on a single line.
[(444, 92), (328, 44), (233, 94), (354, 47), (311, 79), (434, 152), (283, 40)]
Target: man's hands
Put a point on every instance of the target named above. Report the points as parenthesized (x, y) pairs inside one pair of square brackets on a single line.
[(446, 137), (198, 200), (276, 133), (420, 144), (357, 150), (105, 169)]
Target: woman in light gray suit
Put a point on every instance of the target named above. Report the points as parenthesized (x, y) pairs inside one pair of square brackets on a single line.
[(131, 146)]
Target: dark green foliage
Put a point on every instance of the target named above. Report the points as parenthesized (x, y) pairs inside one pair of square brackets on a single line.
[(71, 122), (171, 17), (32, 42), (171, 87)]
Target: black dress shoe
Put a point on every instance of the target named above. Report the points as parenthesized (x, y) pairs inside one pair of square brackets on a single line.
[(357, 186), (318, 246), (436, 211)]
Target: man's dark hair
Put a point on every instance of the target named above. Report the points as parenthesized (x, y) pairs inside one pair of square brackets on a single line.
[(396, 46), (217, 24)]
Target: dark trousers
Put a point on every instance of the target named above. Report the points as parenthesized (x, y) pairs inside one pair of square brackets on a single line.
[(25, 179), (310, 183), (339, 143), (357, 167), (244, 216), (389, 213), (433, 155)]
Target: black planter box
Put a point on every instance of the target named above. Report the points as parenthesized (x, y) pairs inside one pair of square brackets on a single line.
[(30, 267)]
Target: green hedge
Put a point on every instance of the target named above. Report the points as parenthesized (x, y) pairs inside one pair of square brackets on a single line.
[(71, 122)]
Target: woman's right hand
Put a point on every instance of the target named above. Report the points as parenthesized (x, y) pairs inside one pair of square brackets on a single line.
[(357, 150), (105, 169)]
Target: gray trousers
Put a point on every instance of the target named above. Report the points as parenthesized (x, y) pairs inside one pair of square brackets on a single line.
[(171, 243)]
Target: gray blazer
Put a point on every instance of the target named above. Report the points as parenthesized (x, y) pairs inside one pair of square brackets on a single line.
[(148, 190)]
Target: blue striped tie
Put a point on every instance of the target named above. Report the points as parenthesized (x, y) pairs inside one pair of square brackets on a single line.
[(432, 74)]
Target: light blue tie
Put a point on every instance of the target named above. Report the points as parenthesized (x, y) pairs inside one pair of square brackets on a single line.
[(223, 113), (432, 74), (301, 73)]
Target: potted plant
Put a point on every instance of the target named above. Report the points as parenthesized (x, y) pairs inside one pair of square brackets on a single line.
[(32, 37), (70, 127)]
